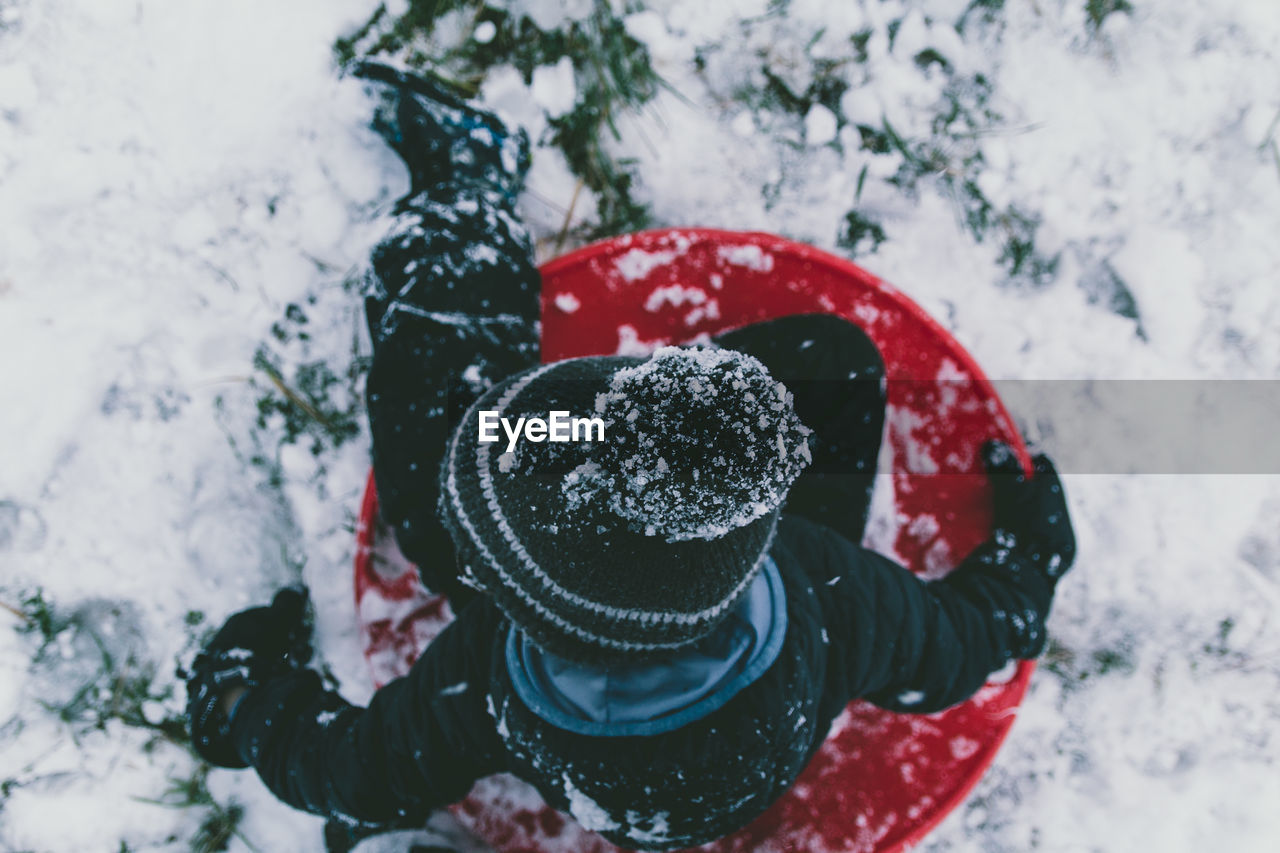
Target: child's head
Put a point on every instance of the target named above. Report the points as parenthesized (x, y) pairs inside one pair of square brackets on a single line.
[(638, 542)]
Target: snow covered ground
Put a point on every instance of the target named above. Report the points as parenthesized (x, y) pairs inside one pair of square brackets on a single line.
[(175, 176)]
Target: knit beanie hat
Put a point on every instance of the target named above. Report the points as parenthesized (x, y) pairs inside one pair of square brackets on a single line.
[(640, 535)]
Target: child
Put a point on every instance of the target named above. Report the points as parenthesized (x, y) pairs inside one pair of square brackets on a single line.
[(669, 618)]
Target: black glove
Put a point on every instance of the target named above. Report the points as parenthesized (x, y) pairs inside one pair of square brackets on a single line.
[(1030, 515), (252, 647)]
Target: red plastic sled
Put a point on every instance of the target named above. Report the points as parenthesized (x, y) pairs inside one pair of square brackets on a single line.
[(881, 781)]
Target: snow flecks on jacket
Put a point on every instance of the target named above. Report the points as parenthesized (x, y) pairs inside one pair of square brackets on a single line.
[(586, 810)]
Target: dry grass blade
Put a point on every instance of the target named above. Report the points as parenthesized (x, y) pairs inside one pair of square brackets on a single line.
[(293, 396)]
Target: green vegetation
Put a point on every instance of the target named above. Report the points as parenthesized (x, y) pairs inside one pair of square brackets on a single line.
[(218, 824), (1097, 11), (612, 73), (97, 667)]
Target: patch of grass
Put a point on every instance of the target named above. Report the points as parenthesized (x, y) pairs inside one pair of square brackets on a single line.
[(1076, 667), (1103, 286), (861, 235), (7, 787), (612, 72), (38, 614), (951, 159), (1097, 11), (220, 822), (1219, 648), (217, 829), (303, 392), (304, 400), (1018, 252), (982, 12), (928, 57), (93, 658), (947, 157), (92, 666), (1119, 660)]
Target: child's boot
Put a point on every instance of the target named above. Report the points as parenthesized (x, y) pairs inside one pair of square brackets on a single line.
[(444, 141)]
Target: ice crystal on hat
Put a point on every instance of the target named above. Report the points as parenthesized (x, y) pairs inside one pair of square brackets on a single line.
[(701, 441)]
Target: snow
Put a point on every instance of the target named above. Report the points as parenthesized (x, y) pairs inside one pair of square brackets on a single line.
[(674, 295), (175, 174), (649, 829), (751, 257), (861, 106), (585, 810), (567, 302), (551, 14), (553, 87), (963, 747), (666, 467), (819, 125), (629, 342), (637, 263)]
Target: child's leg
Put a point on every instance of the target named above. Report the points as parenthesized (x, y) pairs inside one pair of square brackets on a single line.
[(452, 301), (836, 376)]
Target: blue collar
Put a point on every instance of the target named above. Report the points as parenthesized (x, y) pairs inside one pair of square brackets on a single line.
[(660, 695)]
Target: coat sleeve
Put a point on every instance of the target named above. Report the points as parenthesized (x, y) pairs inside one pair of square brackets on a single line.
[(420, 745), (914, 646)]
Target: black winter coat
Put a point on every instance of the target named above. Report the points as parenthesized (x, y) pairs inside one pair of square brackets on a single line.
[(859, 625)]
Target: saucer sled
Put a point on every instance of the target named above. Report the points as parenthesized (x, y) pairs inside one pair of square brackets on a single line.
[(882, 780)]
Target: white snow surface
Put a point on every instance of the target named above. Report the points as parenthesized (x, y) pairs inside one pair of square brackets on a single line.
[(553, 87), (820, 125), (173, 175)]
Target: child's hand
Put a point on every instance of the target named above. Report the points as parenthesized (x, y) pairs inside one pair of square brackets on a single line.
[(1030, 514), (278, 636), (252, 647)]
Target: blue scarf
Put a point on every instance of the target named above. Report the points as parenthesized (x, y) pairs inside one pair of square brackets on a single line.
[(662, 694)]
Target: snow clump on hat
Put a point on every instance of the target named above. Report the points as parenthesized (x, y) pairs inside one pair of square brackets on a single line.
[(701, 441)]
